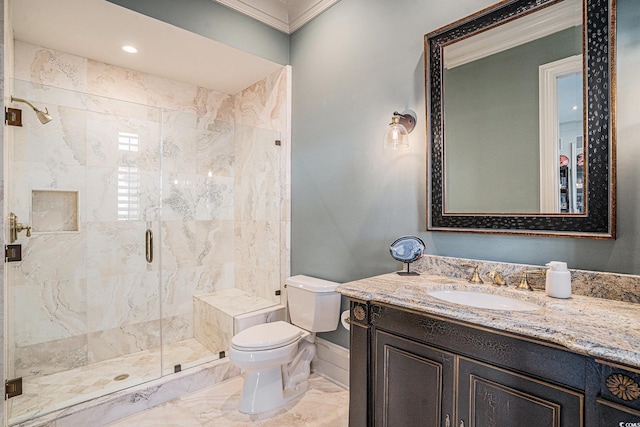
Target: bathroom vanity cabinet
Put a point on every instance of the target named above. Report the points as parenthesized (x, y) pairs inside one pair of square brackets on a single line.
[(411, 368)]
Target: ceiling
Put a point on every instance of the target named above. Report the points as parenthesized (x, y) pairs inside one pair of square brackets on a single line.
[(284, 15), (97, 29)]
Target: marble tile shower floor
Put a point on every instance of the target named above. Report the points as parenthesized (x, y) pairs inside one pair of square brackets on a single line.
[(325, 404), (48, 393)]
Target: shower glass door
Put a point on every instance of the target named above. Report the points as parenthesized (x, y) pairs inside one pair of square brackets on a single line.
[(220, 242), (83, 303)]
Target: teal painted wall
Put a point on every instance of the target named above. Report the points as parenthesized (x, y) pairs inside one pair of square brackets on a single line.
[(217, 22), (352, 67)]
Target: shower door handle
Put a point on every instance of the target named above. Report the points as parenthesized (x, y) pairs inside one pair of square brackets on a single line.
[(149, 245)]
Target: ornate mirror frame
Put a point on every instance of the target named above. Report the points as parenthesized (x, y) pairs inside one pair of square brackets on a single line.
[(598, 220)]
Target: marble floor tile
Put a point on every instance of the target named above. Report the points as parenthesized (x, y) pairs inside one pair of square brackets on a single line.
[(325, 404)]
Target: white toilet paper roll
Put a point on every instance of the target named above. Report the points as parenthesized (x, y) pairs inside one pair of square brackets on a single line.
[(344, 318)]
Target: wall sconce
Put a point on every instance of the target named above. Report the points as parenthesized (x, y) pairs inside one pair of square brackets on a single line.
[(397, 133)]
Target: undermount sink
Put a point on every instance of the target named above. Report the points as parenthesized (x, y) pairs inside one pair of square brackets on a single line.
[(484, 300)]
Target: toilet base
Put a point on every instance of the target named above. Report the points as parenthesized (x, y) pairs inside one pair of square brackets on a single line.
[(269, 388), (265, 392)]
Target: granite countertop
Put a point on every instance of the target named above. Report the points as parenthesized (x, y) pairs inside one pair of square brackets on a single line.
[(596, 327)]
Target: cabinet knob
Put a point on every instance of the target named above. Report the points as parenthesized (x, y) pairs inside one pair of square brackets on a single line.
[(461, 423), (447, 421)]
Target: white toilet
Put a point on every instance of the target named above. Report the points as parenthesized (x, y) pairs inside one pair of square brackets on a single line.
[(277, 356)]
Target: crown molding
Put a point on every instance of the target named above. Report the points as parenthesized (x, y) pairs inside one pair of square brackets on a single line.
[(515, 33), (283, 15)]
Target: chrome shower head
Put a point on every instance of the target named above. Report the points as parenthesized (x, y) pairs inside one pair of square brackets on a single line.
[(43, 116)]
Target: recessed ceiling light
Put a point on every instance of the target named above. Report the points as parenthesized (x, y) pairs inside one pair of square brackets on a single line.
[(129, 49)]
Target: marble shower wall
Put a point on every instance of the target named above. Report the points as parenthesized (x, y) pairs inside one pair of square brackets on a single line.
[(197, 164), (261, 263)]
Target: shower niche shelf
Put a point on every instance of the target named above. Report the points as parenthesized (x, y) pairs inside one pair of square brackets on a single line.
[(54, 211)]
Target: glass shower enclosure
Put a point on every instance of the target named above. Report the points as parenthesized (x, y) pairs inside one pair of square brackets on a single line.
[(144, 224)]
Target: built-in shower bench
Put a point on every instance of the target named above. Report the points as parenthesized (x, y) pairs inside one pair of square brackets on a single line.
[(220, 315)]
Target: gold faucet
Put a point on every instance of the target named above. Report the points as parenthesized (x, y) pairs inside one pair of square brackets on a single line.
[(475, 277), (524, 283), (497, 278)]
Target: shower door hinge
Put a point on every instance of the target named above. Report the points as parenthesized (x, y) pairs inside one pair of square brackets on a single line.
[(12, 253), (13, 116), (12, 388)]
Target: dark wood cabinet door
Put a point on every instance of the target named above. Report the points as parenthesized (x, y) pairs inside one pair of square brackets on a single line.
[(414, 383), (494, 397), (611, 414)]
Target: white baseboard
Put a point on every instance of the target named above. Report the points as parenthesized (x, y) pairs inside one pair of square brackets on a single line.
[(332, 362)]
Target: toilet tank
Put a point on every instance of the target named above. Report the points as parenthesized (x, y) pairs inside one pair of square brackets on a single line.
[(314, 304)]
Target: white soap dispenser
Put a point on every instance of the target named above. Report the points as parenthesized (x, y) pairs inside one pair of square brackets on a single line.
[(558, 283)]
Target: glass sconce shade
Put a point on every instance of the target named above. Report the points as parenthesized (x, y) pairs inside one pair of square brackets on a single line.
[(397, 134)]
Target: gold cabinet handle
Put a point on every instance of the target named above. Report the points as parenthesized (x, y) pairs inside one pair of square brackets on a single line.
[(149, 245)]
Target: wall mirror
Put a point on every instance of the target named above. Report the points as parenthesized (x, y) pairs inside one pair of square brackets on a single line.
[(521, 120)]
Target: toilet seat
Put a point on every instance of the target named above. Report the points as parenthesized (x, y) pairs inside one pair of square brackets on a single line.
[(266, 336)]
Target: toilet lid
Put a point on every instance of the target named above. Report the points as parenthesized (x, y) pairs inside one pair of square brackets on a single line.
[(266, 336)]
